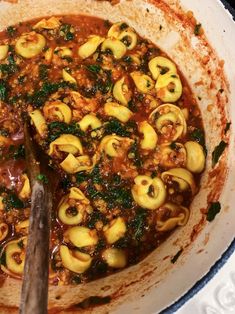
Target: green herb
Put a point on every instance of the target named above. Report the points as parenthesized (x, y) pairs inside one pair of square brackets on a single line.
[(3, 90), (21, 244), (39, 97), (213, 210), (177, 255), (227, 127), (132, 106), (197, 29), (154, 174), (136, 155), (57, 128), (4, 132), (198, 136), (42, 177), (19, 152), (76, 279), (95, 68), (127, 59), (138, 223), (173, 145), (126, 41), (105, 84), (12, 201), (115, 126), (95, 175), (123, 26), (3, 258), (117, 196), (174, 76), (218, 151), (21, 79), (11, 30), (92, 192), (94, 217), (100, 245), (43, 72), (65, 183), (67, 32)]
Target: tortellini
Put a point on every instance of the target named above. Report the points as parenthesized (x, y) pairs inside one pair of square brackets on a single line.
[(195, 157), (25, 190), (68, 78), (169, 87), (160, 66), (75, 260), (149, 193), (29, 45), (89, 47), (67, 143), (57, 111), (39, 122), (126, 34), (115, 230), (120, 112), (3, 51), (71, 213), (22, 227), (63, 52), (81, 236), (182, 176), (15, 248), (4, 229), (116, 46), (121, 91), (143, 82), (51, 23), (177, 215), (169, 121), (72, 164), (111, 145), (115, 258), (89, 121), (150, 137)]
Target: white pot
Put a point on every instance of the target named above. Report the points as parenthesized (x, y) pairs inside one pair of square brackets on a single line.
[(155, 283)]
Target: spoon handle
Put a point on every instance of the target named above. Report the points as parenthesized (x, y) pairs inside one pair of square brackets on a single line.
[(34, 294)]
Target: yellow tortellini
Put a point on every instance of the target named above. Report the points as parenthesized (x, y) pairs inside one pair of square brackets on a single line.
[(13, 248), (51, 23), (89, 47), (68, 77), (67, 143), (169, 87), (120, 112), (169, 120), (143, 82), (182, 176), (22, 227), (3, 51), (150, 137), (25, 190), (57, 111), (160, 66), (89, 121), (124, 33), (111, 145), (121, 92), (115, 258), (148, 193), (73, 214), (177, 216), (81, 236), (63, 52), (30, 44), (195, 157), (116, 46), (4, 229), (39, 122), (72, 164), (115, 230), (75, 260)]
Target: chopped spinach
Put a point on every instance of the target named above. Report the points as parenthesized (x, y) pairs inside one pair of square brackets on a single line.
[(42, 177), (3, 90), (177, 255), (197, 29), (81, 177), (11, 30), (43, 71), (94, 217), (67, 32), (95, 175), (115, 126), (3, 258), (138, 223), (118, 196), (19, 152), (57, 128), (123, 26), (227, 127), (92, 192), (213, 210), (65, 183), (173, 145), (198, 136), (12, 201), (218, 151), (95, 68), (136, 155), (127, 59)]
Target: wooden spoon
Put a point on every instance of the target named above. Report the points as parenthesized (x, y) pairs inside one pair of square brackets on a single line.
[(34, 295)]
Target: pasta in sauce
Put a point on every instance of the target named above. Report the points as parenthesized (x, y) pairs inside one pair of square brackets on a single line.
[(123, 132)]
